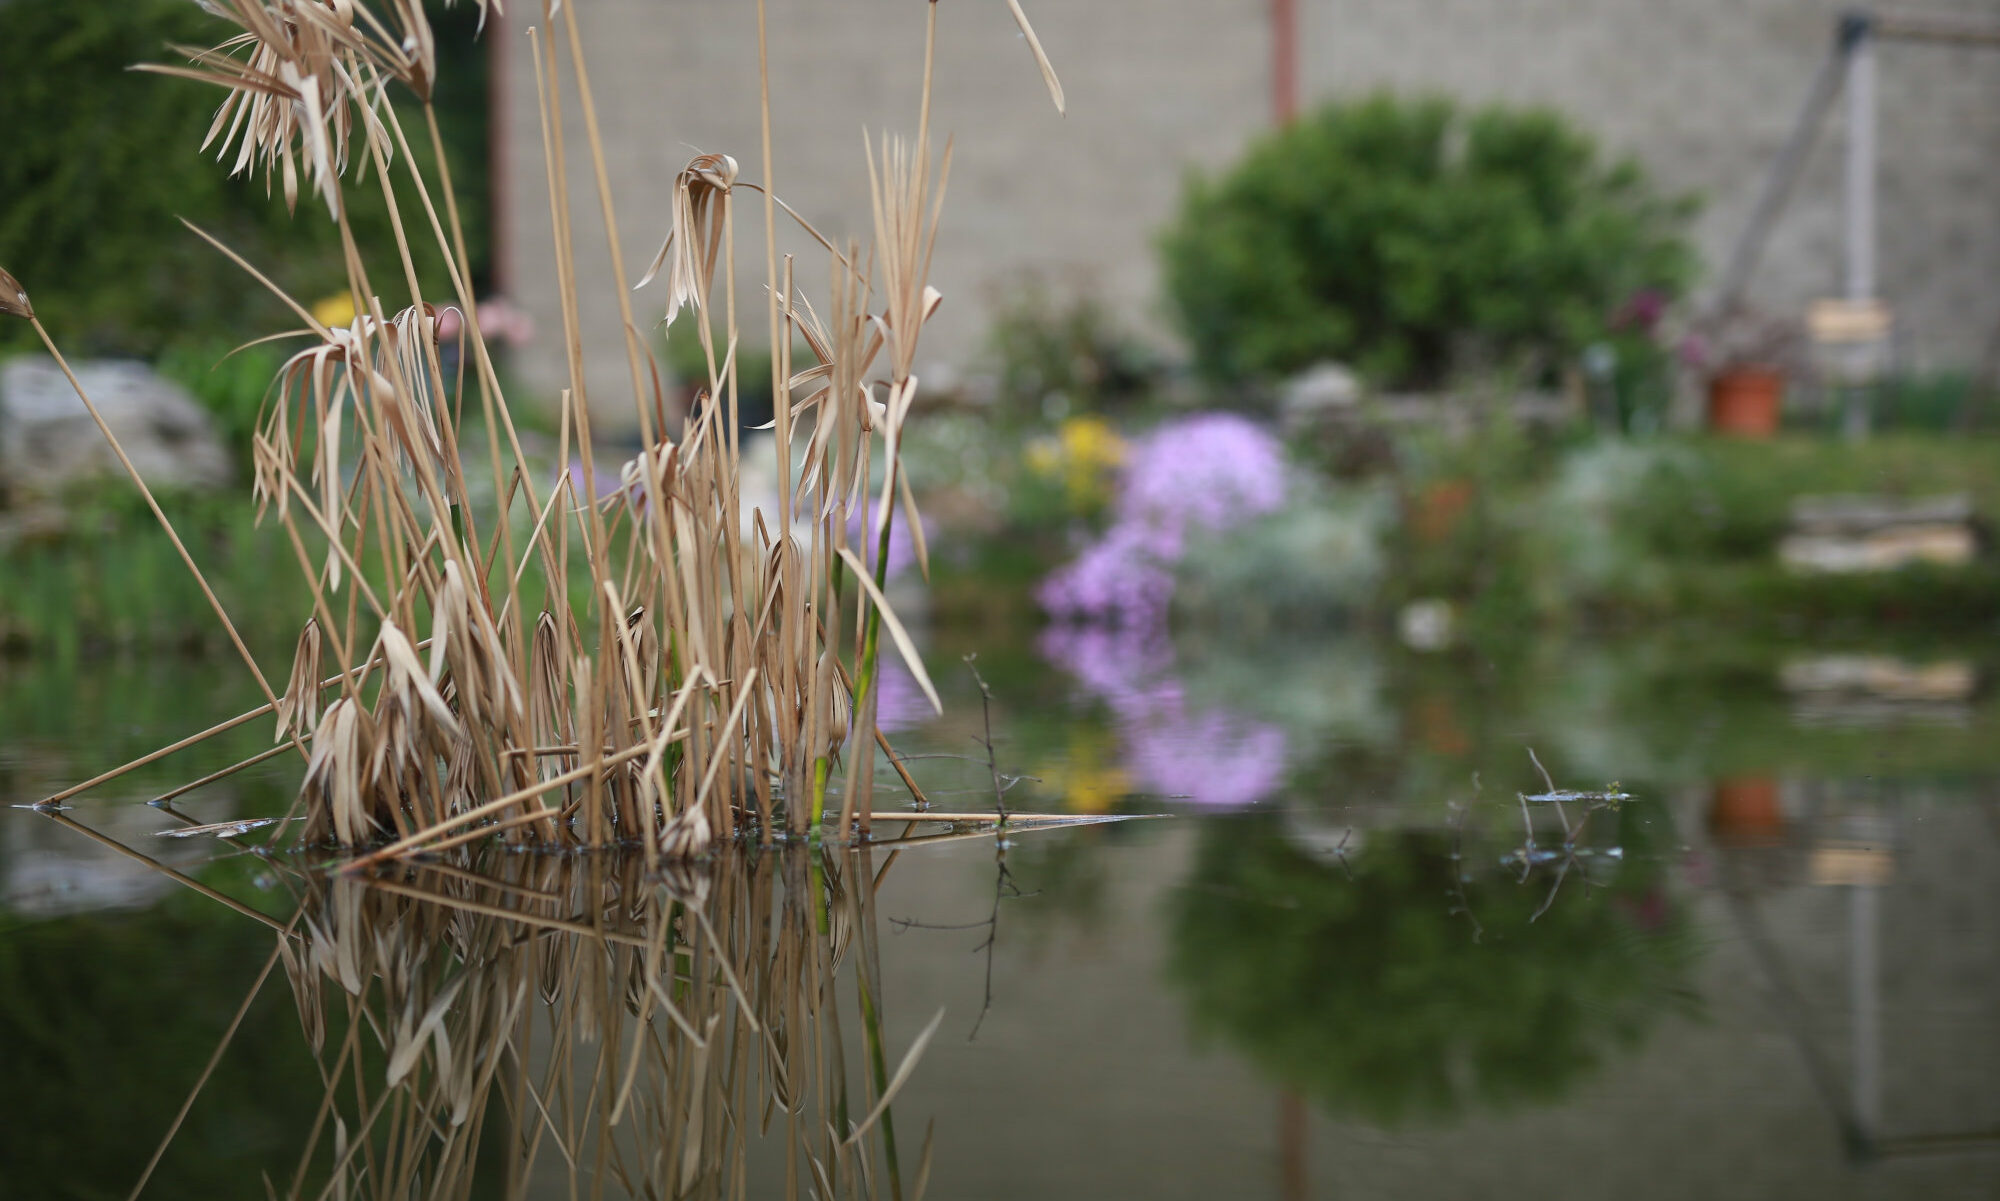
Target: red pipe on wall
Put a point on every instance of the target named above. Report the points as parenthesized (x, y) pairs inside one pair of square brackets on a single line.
[(1284, 61)]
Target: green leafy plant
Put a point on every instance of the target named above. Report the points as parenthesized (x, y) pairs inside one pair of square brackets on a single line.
[(1055, 355), (1412, 240), (98, 171), (688, 362), (232, 387)]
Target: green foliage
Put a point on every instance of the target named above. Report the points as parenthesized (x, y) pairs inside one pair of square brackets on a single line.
[(1315, 561), (1056, 356), (1939, 402), (688, 361), (1518, 529), (1369, 990), (232, 387), (1411, 239), (101, 161), (72, 717), (113, 579)]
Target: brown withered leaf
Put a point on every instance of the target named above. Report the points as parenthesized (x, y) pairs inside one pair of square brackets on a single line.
[(14, 298)]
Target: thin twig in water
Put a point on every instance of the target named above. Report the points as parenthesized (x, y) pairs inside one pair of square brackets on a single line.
[(1549, 782), (1003, 887), (1460, 902), (1340, 853), (992, 763)]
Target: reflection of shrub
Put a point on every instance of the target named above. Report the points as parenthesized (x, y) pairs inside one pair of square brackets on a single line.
[(109, 1018), (1403, 235), (1372, 996)]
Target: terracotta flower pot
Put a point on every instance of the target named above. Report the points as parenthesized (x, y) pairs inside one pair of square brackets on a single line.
[(1438, 508), (1746, 812), (1745, 402)]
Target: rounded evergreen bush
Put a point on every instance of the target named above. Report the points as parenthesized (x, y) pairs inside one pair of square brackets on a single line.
[(1414, 240)]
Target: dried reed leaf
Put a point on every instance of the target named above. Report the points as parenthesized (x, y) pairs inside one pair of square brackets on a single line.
[(897, 1081), (298, 81), (305, 994), (1041, 55), (298, 708), (407, 678), (409, 1046), (907, 648), (343, 745), (694, 234)]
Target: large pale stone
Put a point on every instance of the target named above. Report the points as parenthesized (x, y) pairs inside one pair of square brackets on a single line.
[(1877, 533), (48, 440)]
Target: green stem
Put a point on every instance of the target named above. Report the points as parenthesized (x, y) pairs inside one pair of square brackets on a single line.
[(822, 768), (871, 648), (871, 1025)]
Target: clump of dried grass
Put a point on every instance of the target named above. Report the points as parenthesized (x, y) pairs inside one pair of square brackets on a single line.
[(700, 691)]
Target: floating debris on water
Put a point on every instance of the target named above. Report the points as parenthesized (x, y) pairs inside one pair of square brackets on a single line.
[(219, 829), (1533, 855), (1609, 796)]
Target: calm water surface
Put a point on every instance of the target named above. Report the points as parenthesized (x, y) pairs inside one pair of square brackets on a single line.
[(1352, 963)]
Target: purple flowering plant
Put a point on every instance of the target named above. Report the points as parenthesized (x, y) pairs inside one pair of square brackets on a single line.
[(1209, 472)]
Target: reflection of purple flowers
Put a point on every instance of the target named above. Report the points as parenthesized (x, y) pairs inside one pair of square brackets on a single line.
[(1118, 578), (1211, 472), (1212, 757)]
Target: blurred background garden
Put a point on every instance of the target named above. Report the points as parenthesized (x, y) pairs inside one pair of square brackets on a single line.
[(1337, 400), (1453, 374)]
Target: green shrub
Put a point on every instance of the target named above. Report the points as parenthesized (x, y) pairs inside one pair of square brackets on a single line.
[(1412, 240), (101, 161), (1054, 356), (232, 387), (688, 362)]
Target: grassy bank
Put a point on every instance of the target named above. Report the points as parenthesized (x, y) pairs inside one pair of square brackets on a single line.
[(1616, 533)]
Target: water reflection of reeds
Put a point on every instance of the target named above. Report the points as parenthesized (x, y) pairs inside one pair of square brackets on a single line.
[(529, 1019)]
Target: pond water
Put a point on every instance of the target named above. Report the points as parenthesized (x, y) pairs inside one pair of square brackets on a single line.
[(1353, 961)]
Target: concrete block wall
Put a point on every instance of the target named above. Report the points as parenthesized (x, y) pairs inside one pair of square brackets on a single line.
[(1702, 91)]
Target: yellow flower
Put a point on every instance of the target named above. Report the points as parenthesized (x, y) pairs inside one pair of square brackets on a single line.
[(1091, 442), (1092, 451), (336, 311)]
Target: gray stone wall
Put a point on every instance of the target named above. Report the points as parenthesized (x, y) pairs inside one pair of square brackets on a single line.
[(1703, 91)]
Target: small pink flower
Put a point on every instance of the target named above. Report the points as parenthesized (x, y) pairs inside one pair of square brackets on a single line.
[(502, 323)]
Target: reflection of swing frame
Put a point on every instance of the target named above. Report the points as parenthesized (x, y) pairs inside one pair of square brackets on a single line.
[(1863, 867)]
